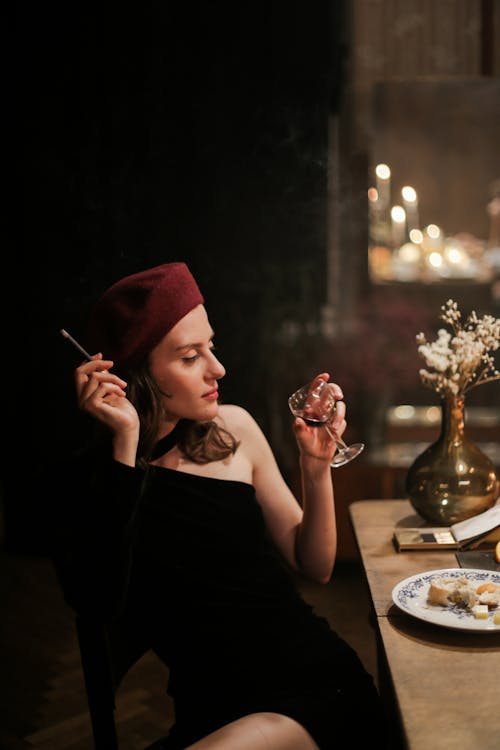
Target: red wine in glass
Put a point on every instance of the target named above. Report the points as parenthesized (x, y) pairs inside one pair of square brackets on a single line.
[(315, 404), (312, 422)]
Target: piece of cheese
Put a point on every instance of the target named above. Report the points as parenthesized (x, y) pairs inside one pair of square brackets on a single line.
[(496, 617), (480, 611)]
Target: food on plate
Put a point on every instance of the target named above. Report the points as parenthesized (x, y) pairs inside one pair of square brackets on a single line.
[(497, 552), (449, 590), (496, 617), (489, 594), (486, 587), (480, 611)]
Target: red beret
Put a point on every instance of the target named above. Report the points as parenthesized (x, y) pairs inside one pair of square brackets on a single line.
[(134, 314)]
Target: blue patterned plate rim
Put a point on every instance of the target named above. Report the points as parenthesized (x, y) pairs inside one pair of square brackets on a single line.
[(410, 595)]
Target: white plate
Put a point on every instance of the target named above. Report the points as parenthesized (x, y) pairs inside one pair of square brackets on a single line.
[(410, 595)]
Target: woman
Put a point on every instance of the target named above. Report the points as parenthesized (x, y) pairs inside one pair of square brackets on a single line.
[(186, 527)]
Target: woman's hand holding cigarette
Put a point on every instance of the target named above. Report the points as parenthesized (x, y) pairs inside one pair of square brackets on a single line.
[(102, 394)]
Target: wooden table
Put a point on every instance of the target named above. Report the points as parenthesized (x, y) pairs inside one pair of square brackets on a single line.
[(441, 686)]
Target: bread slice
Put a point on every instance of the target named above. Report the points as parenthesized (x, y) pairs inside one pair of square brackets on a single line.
[(446, 590)]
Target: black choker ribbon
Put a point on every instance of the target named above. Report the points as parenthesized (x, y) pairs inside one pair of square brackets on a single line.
[(167, 442)]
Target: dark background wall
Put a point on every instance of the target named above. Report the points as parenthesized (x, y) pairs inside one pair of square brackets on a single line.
[(156, 132)]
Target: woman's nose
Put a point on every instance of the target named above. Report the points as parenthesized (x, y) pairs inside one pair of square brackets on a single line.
[(216, 368)]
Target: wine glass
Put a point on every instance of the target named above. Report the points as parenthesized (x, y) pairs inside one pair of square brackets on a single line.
[(315, 404)]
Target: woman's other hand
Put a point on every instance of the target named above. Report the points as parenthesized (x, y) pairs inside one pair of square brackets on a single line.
[(315, 442), (102, 394)]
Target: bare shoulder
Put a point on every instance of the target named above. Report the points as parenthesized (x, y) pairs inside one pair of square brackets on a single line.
[(246, 430), (236, 419)]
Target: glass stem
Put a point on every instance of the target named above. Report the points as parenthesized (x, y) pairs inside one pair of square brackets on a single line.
[(335, 437)]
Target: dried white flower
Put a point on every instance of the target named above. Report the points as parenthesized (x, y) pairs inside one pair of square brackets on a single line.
[(462, 359)]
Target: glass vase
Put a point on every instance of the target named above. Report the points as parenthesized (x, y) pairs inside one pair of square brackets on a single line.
[(452, 479)]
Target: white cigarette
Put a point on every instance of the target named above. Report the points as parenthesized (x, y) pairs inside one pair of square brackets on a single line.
[(76, 344)]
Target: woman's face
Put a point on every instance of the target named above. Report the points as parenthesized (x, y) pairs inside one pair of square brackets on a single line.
[(186, 370)]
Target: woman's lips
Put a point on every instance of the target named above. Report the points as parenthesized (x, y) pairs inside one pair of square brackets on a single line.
[(212, 395)]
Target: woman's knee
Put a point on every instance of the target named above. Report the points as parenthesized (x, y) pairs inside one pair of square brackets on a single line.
[(281, 731), (259, 731)]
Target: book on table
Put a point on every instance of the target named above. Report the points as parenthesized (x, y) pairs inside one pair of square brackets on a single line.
[(479, 532)]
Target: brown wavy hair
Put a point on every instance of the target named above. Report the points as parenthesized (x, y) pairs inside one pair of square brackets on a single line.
[(201, 442)]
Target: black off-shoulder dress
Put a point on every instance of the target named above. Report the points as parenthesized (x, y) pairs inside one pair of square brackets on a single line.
[(200, 573)]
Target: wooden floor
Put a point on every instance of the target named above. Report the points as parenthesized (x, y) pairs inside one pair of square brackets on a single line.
[(42, 699)]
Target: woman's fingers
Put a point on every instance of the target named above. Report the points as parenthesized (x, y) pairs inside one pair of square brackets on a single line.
[(107, 377), (97, 364), (102, 395), (338, 423), (98, 390), (95, 391), (90, 374), (337, 391), (91, 398), (340, 410), (108, 404)]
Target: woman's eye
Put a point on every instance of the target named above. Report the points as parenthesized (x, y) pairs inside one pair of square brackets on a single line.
[(189, 360)]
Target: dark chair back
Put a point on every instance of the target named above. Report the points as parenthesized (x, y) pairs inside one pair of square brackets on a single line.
[(107, 652)]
